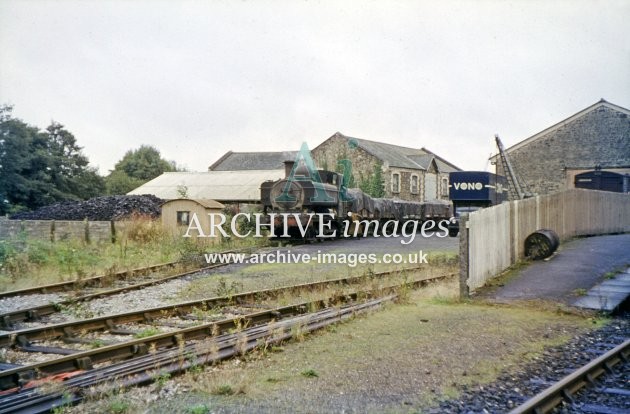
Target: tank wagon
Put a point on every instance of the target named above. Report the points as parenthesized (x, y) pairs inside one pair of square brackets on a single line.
[(301, 196), (473, 190)]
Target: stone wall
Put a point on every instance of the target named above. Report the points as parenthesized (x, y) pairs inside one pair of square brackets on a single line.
[(336, 148), (598, 137), (405, 184)]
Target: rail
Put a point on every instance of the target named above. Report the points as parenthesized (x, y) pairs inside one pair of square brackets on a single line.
[(548, 399)]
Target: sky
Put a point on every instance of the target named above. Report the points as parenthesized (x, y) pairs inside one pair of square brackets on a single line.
[(198, 78)]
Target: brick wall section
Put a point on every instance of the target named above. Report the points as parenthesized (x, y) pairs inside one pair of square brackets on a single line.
[(599, 137)]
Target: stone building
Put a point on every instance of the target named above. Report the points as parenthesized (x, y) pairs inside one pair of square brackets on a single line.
[(596, 138), (407, 173)]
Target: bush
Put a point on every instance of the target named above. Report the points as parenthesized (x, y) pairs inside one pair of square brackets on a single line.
[(143, 229)]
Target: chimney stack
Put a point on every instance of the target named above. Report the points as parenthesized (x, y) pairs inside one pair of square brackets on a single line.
[(288, 166)]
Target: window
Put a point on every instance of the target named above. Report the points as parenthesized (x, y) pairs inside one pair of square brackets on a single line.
[(183, 218), (444, 187), (414, 184), (396, 183)]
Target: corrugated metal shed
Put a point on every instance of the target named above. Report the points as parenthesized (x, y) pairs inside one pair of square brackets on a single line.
[(224, 186), (212, 204)]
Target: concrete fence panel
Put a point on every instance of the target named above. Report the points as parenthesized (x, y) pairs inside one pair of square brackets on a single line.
[(60, 230)]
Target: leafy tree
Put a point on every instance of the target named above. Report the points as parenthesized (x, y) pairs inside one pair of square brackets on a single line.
[(41, 167), (118, 182), (136, 168), (373, 185), (71, 176)]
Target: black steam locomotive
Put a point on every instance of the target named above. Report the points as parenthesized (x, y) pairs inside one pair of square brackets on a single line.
[(328, 199)]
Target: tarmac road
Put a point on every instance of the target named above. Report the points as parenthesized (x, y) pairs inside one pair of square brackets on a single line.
[(579, 264), (378, 245)]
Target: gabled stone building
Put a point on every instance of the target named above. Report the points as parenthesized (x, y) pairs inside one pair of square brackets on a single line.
[(594, 139), (408, 173)]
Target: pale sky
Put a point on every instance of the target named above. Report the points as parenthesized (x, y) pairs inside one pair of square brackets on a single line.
[(198, 78)]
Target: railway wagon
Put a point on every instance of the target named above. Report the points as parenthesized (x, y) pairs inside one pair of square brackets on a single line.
[(303, 197)]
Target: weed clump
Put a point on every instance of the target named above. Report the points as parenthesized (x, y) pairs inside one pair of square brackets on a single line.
[(310, 373)]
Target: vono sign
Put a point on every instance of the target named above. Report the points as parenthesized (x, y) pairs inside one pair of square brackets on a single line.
[(468, 186)]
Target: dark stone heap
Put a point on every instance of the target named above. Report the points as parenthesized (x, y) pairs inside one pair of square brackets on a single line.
[(97, 209)]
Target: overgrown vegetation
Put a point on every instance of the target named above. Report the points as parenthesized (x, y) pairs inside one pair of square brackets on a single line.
[(28, 262), (373, 185), (145, 333)]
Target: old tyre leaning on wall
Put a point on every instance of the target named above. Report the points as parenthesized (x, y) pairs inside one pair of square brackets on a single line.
[(541, 244)]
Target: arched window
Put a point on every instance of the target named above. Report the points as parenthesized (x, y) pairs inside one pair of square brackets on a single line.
[(414, 184), (395, 183)]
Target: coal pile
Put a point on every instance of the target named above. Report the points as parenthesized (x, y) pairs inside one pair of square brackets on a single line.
[(97, 209)]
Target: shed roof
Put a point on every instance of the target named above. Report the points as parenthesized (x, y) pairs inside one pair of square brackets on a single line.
[(238, 161), (205, 203), (242, 186)]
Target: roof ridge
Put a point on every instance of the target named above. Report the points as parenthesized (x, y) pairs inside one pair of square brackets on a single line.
[(428, 151), (220, 160), (579, 114), (259, 152)]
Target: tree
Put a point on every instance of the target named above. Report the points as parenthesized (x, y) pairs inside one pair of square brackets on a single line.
[(41, 167), (136, 168), (118, 182), (69, 170), (373, 185)]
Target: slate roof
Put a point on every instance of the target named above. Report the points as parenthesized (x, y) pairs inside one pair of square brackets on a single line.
[(239, 161), (443, 165), (399, 156), (227, 186), (601, 102), (423, 160)]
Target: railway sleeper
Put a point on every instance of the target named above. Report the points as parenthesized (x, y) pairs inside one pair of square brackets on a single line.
[(115, 330), (616, 391), (48, 349), (6, 323), (75, 340)]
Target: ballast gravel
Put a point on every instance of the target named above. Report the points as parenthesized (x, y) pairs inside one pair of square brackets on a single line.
[(511, 390)]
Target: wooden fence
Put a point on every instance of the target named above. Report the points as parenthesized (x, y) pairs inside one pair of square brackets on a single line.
[(494, 237)]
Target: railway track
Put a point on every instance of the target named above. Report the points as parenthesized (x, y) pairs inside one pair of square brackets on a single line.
[(91, 288), (101, 281), (139, 360), (143, 370), (91, 282), (191, 310), (566, 390)]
